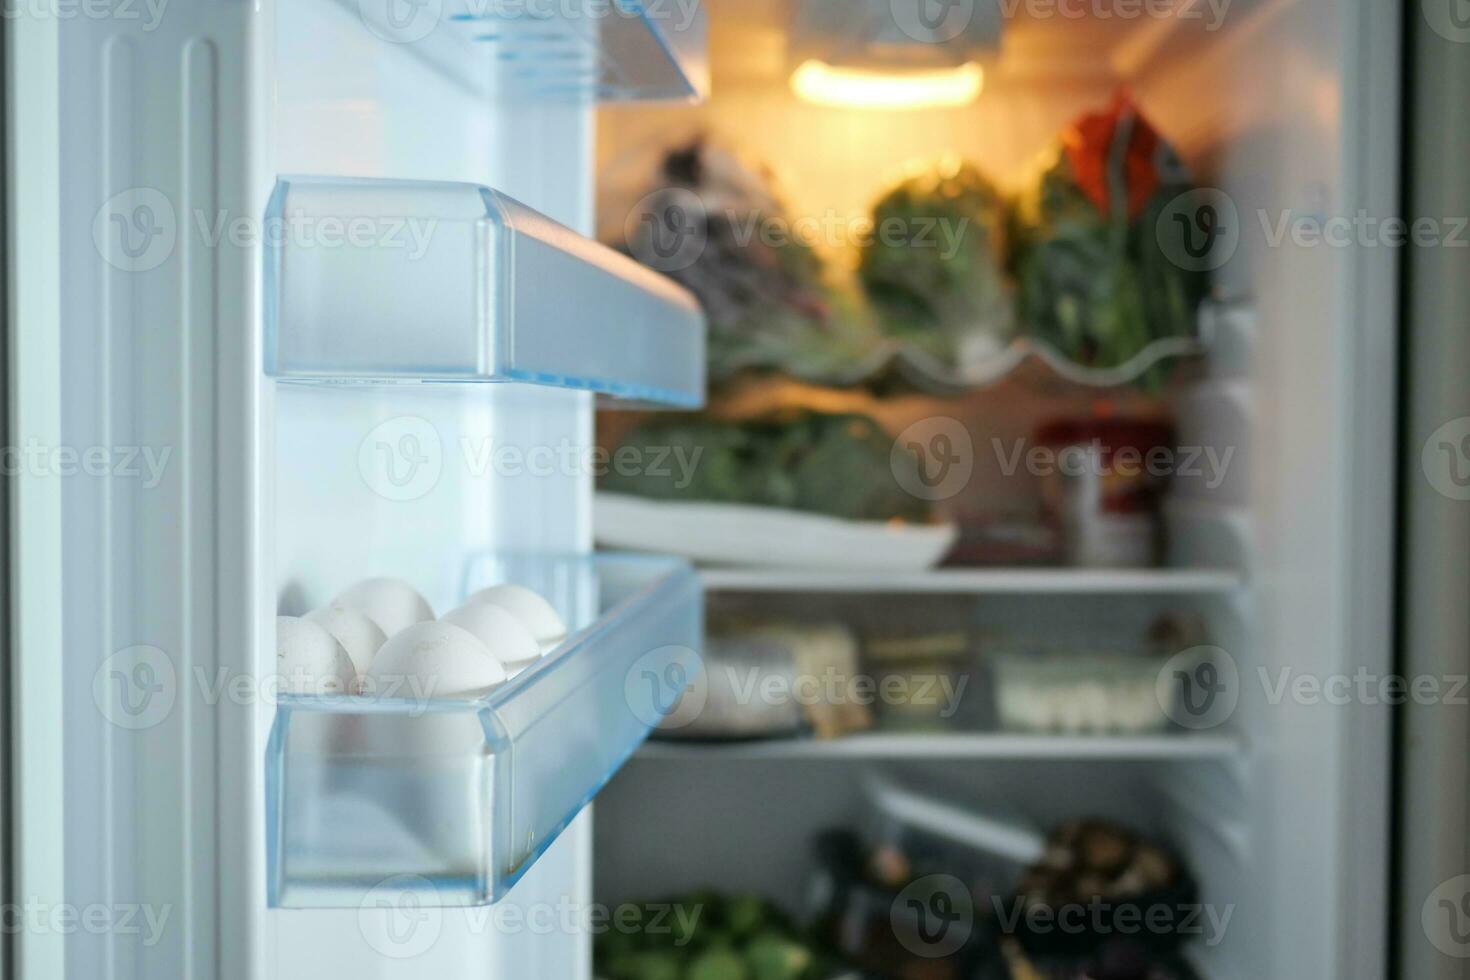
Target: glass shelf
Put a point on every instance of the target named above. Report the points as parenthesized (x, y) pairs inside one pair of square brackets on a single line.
[(555, 50), (375, 281), (879, 362), (448, 803)]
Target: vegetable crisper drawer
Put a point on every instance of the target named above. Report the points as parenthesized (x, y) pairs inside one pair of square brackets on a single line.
[(448, 803), (402, 281)]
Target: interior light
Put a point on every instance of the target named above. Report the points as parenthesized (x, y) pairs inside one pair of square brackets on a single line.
[(861, 88)]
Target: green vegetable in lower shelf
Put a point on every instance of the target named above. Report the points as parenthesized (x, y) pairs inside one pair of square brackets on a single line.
[(774, 957), (709, 937), (745, 914), (718, 964), (839, 465), (650, 966)]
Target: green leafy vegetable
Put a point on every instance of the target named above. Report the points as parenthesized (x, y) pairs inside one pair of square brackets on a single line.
[(1091, 256), (741, 937), (839, 465), (935, 266)]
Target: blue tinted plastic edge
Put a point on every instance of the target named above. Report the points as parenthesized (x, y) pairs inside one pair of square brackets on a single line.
[(623, 392), (492, 357), (604, 386), (275, 803), (675, 584), (271, 280), (693, 78), (692, 91), (679, 586)]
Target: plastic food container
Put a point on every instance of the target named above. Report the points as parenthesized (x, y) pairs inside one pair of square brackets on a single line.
[(925, 667), (771, 679), (1103, 489), (1078, 692)]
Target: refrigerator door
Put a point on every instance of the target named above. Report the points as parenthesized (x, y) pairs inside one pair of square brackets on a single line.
[(142, 147), (1433, 812), (32, 787)]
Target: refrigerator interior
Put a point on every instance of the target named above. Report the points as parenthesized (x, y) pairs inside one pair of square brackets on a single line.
[(1288, 106), (1289, 109)]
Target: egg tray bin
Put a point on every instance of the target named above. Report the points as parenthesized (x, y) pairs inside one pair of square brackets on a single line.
[(449, 803)]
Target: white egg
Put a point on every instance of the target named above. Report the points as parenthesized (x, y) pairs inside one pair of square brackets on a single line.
[(503, 634), (359, 635), (309, 660), (434, 660), (531, 609), (391, 603)]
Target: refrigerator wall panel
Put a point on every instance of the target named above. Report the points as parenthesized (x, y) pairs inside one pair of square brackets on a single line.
[(1433, 830), (158, 367), (1295, 109)]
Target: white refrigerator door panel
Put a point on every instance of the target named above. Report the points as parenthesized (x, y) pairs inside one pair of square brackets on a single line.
[(157, 349), (35, 788), (170, 130), (347, 103)]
